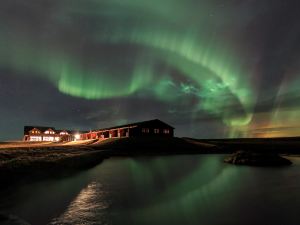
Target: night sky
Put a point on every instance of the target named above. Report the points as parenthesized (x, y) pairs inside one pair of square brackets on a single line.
[(210, 68)]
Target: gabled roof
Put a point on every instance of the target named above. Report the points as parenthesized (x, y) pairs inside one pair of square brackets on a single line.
[(50, 129), (148, 123), (42, 129), (59, 131), (68, 131)]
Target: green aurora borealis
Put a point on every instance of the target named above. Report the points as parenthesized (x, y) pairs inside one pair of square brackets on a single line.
[(203, 60)]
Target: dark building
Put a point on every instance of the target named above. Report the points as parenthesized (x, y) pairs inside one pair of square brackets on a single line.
[(146, 128)]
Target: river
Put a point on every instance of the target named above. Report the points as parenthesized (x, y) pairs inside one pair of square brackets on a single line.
[(176, 190)]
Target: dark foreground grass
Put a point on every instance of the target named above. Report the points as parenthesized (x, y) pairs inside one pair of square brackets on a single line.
[(25, 165)]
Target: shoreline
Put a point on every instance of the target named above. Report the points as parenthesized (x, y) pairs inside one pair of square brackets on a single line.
[(22, 162)]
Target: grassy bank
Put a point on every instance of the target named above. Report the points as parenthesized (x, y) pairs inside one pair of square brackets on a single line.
[(26, 164)]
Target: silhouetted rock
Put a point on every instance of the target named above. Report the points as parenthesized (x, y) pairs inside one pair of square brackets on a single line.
[(257, 159)]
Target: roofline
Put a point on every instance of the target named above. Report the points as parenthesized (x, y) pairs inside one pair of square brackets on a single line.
[(113, 128), (124, 126), (131, 125)]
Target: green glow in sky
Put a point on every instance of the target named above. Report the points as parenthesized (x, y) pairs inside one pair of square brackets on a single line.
[(171, 50)]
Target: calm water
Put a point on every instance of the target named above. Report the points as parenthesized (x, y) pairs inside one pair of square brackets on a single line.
[(183, 190)]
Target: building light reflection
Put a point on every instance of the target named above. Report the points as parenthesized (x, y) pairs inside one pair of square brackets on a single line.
[(83, 208)]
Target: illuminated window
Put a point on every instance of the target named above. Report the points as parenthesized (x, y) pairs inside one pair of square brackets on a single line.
[(145, 130), (49, 131), (63, 133), (35, 138), (166, 131), (48, 138), (34, 131), (156, 131)]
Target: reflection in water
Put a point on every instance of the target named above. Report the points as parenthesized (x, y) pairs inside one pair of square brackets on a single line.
[(177, 190), (87, 208), (190, 188)]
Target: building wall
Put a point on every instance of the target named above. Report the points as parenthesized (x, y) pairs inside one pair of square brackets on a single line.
[(151, 131), (52, 138), (48, 137)]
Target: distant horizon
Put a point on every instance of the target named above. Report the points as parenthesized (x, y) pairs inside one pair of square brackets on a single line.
[(195, 137), (264, 132)]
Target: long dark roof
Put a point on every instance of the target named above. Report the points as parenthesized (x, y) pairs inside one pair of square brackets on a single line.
[(148, 122)]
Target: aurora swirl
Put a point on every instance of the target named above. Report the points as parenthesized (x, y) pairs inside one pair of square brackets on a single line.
[(202, 60)]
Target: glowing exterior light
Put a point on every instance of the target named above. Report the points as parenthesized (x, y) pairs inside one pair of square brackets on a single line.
[(77, 137)]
